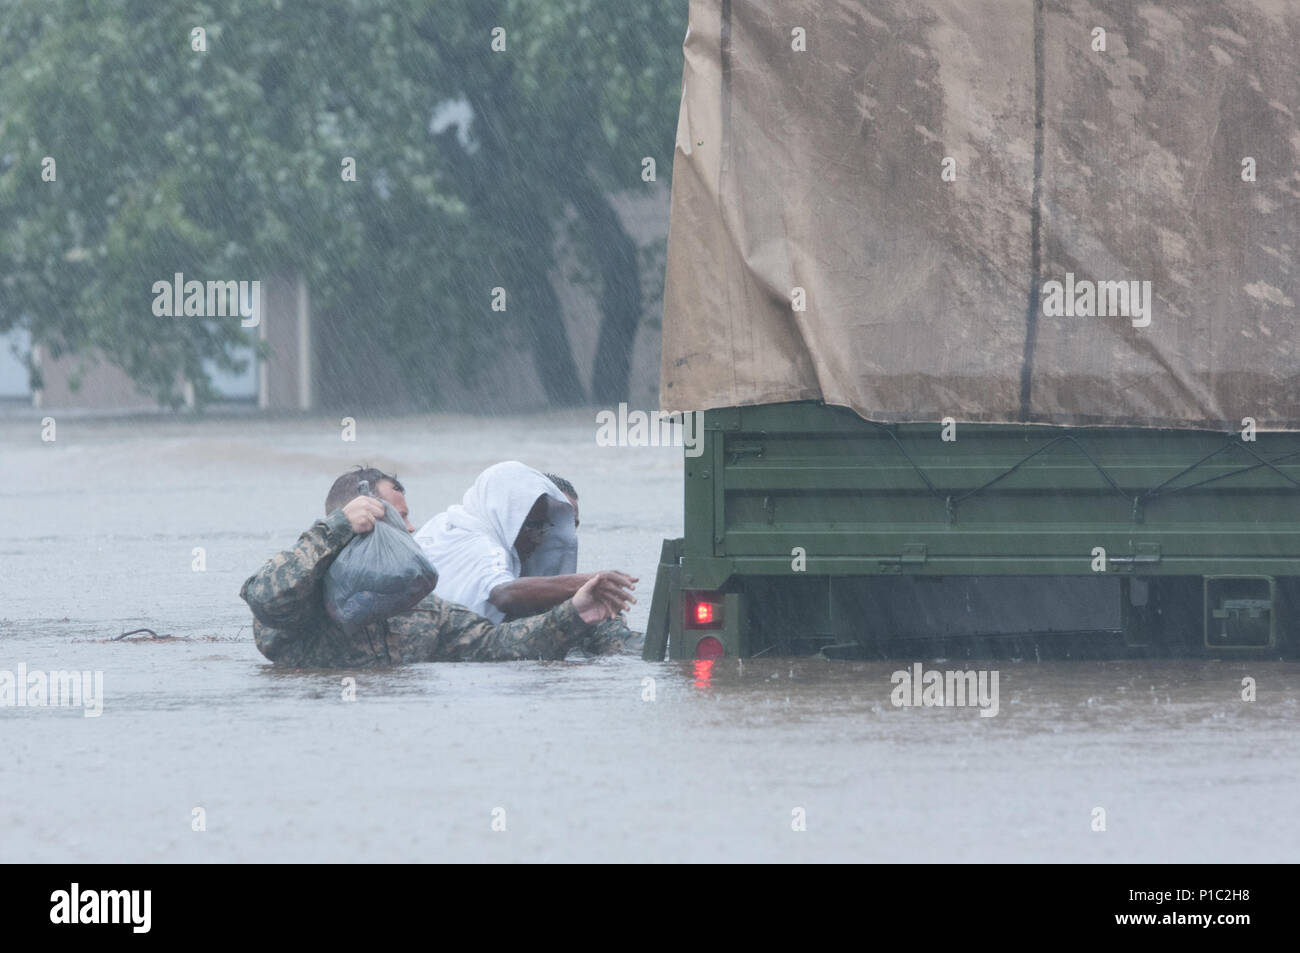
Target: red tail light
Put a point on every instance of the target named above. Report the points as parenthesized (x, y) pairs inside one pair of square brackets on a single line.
[(708, 648), (703, 610)]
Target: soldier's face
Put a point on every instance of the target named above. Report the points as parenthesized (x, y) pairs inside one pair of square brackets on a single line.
[(392, 494)]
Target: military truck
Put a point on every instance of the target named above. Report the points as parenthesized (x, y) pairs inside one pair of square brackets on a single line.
[(990, 312)]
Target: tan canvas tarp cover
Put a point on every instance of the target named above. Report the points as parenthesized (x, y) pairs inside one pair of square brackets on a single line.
[(822, 170)]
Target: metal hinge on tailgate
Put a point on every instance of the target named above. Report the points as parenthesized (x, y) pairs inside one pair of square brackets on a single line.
[(1143, 554), (913, 555), (737, 450)]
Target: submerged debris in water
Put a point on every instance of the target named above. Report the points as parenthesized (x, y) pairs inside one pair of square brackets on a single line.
[(153, 636)]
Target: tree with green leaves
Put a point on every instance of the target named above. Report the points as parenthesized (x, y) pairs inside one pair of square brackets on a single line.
[(564, 114), (224, 161)]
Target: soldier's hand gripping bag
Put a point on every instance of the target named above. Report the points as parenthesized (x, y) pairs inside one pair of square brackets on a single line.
[(378, 575)]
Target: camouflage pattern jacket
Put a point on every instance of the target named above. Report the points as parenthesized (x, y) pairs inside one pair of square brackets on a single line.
[(292, 628)]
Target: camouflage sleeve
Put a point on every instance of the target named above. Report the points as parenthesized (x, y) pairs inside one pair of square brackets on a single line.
[(281, 593), (441, 631), (611, 637)]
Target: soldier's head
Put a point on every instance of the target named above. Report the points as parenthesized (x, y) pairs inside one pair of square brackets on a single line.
[(383, 485)]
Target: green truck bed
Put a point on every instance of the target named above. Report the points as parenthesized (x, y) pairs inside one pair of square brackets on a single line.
[(810, 529)]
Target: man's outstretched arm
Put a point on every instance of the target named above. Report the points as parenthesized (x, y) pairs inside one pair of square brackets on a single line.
[(442, 631), (531, 594)]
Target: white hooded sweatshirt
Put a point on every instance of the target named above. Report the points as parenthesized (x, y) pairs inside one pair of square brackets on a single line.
[(473, 545)]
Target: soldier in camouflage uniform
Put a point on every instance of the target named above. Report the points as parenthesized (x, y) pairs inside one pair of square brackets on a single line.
[(292, 628)]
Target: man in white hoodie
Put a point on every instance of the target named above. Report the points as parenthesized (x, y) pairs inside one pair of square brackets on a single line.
[(510, 549)]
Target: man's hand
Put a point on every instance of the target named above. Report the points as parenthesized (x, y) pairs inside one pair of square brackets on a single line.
[(604, 595), (362, 513)]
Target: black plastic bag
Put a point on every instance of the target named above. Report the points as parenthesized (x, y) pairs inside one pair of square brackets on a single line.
[(377, 575)]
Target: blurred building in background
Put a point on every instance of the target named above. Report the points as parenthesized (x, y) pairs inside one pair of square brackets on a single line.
[(293, 375), (281, 381)]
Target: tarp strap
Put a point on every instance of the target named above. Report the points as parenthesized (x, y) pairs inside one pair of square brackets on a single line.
[(1064, 438), (951, 503), (1228, 445)]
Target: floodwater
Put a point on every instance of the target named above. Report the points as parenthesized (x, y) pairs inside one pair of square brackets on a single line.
[(589, 759)]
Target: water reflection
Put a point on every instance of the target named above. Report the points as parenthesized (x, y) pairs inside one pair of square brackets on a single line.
[(1171, 741)]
